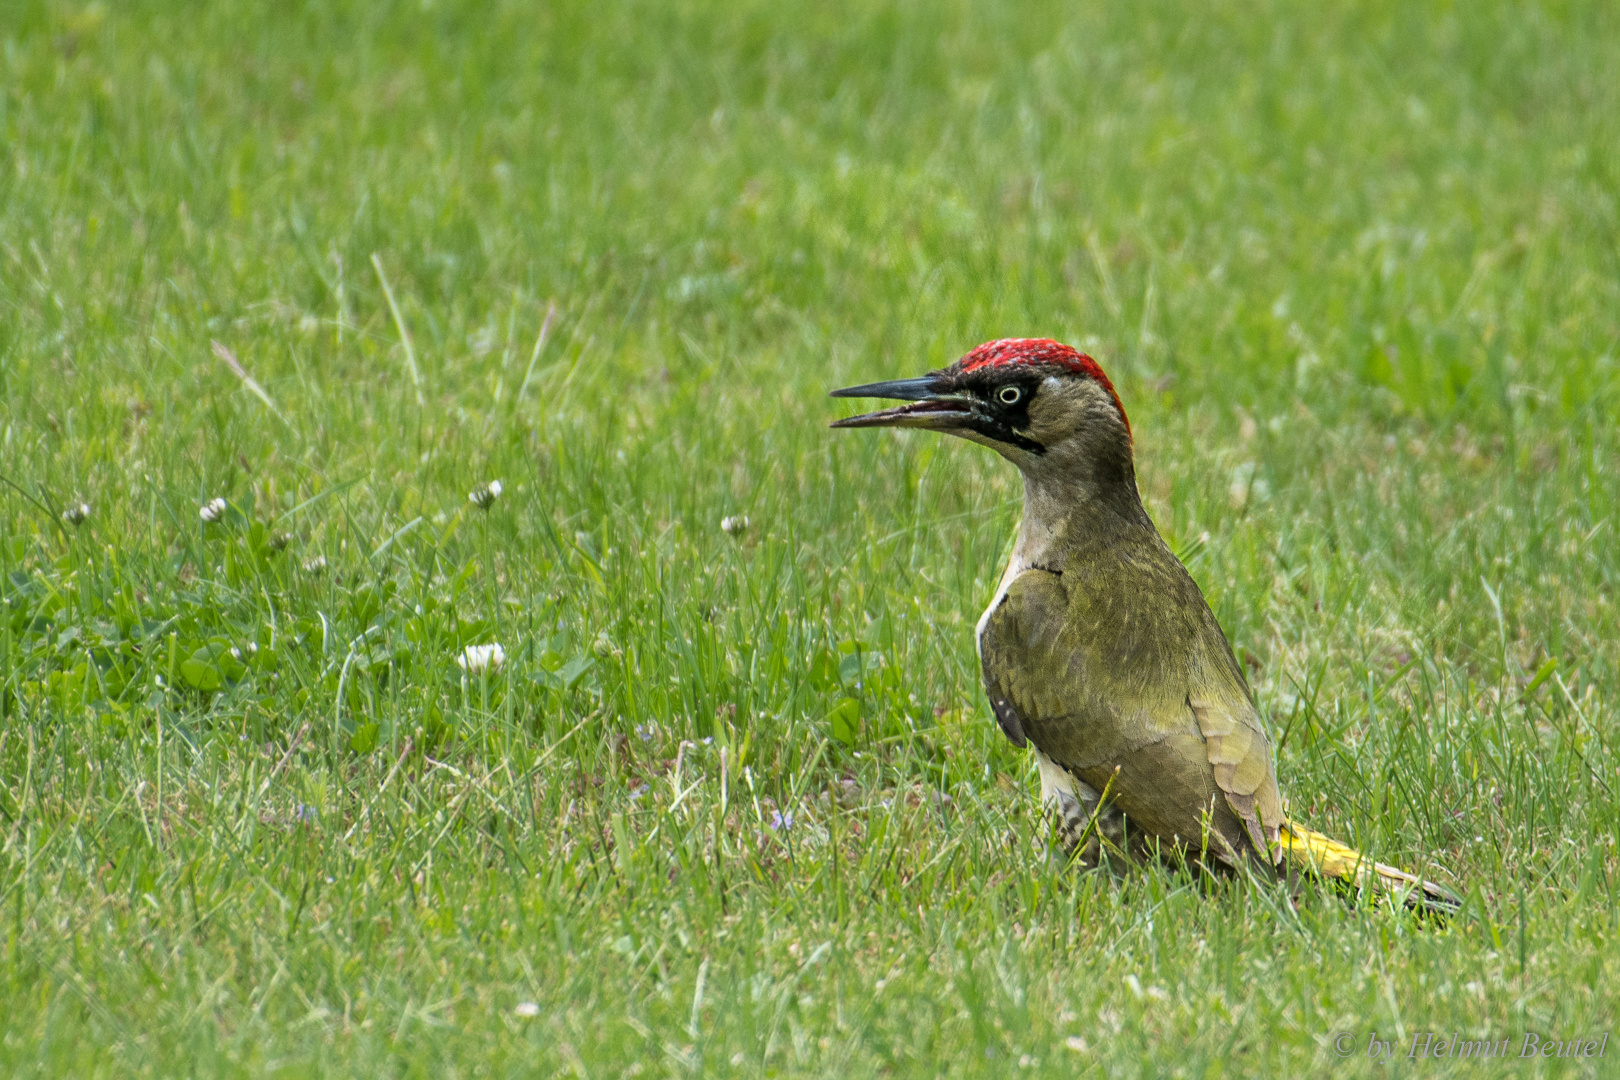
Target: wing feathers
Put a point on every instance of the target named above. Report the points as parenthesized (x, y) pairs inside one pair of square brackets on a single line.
[(1240, 756), (1075, 664)]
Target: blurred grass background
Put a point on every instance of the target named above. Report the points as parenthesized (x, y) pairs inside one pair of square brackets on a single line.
[(734, 803)]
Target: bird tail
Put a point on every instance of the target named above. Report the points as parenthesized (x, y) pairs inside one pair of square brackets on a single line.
[(1309, 851)]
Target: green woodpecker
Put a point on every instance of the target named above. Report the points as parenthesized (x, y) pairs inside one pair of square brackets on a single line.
[(1098, 647)]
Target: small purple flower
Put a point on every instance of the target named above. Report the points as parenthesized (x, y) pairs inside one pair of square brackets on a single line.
[(781, 822)]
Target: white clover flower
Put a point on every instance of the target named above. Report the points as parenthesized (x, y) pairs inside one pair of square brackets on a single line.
[(315, 565), (526, 1009), (734, 525), (76, 513), (477, 659), (484, 495), (212, 510)]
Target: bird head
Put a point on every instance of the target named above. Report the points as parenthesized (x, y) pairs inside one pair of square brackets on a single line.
[(1045, 407)]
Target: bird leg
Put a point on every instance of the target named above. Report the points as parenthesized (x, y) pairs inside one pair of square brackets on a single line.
[(1086, 825)]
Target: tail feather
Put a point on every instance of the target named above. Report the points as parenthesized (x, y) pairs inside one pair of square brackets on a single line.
[(1310, 851)]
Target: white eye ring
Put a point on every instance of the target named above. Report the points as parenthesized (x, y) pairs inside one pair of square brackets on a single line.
[(1009, 395)]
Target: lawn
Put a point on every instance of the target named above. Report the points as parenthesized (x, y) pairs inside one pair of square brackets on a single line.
[(734, 803)]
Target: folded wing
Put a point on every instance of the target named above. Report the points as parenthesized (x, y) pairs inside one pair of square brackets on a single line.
[(1145, 700)]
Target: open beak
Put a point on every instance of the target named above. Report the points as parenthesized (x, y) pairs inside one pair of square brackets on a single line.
[(933, 404)]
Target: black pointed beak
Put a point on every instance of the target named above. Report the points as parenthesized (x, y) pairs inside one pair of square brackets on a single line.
[(934, 404)]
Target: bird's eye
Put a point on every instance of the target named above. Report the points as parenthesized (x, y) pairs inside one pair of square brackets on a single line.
[(1009, 395)]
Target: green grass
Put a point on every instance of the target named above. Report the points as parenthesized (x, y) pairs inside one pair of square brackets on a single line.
[(1356, 270)]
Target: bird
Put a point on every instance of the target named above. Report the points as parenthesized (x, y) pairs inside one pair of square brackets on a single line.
[(1098, 649)]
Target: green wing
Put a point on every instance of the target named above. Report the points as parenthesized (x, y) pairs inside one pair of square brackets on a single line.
[(1114, 667)]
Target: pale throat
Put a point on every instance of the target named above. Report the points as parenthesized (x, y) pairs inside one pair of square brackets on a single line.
[(1043, 535), (1054, 519)]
